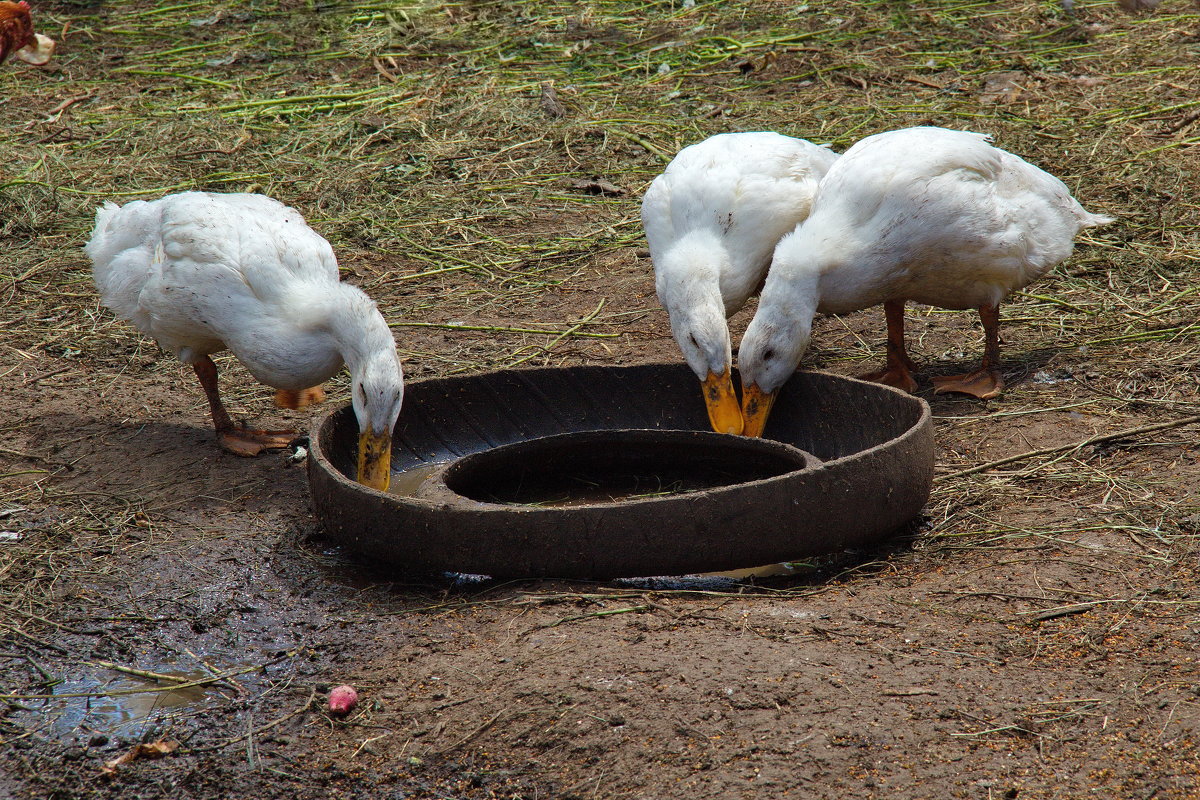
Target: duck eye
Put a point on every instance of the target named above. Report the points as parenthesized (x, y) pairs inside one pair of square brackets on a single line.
[(362, 394), (692, 339), (768, 354)]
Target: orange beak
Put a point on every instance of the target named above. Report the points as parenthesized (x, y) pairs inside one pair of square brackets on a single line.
[(375, 460), (723, 411), (756, 407)]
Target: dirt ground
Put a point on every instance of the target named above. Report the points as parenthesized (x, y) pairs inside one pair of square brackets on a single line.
[(1033, 635)]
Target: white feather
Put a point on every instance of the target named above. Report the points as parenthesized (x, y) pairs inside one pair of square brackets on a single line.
[(712, 220), (924, 214), (203, 272)]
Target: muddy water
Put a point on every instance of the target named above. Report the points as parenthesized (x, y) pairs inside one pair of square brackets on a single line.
[(408, 483), (578, 490), (767, 571), (127, 705), (565, 490)]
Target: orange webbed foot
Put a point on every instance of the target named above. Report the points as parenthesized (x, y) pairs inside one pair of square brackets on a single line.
[(982, 383), (249, 443), (895, 376), (298, 399)]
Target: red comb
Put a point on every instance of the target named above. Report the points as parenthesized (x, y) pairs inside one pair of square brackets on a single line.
[(23, 5)]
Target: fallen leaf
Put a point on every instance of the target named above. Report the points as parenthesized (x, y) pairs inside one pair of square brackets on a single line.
[(599, 186), (157, 749), (550, 101), (204, 22), (1003, 87)]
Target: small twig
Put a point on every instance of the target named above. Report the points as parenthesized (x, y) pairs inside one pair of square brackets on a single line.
[(1001, 729), (1175, 127), (56, 133), (26, 472), (274, 723), (480, 729), (367, 741), (1108, 437), (29, 615), (572, 331), (213, 671), (1066, 611), (153, 690), (35, 640), (382, 70), (609, 613), (45, 375), (47, 678), (245, 137), (143, 673), (640, 141), (57, 111), (17, 706), (1054, 300)]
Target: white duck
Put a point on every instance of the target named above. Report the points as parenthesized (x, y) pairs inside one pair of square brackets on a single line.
[(712, 220), (204, 272), (929, 215)]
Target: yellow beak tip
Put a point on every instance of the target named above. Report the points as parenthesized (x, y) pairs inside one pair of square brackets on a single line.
[(375, 461), (756, 408), (724, 413)]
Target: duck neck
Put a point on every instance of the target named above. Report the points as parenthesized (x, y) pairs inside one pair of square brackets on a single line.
[(793, 286), (697, 266), (359, 331)]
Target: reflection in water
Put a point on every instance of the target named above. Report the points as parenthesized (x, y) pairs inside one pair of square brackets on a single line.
[(113, 713)]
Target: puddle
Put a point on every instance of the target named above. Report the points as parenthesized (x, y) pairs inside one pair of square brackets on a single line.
[(120, 704)]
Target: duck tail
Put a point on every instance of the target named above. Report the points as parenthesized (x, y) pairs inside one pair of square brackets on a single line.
[(104, 215), (1090, 220)]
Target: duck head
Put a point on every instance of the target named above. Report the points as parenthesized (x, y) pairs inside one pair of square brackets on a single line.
[(688, 285), (778, 336), (376, 394)]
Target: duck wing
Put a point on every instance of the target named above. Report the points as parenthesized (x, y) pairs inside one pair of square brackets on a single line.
[(192, 267)]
